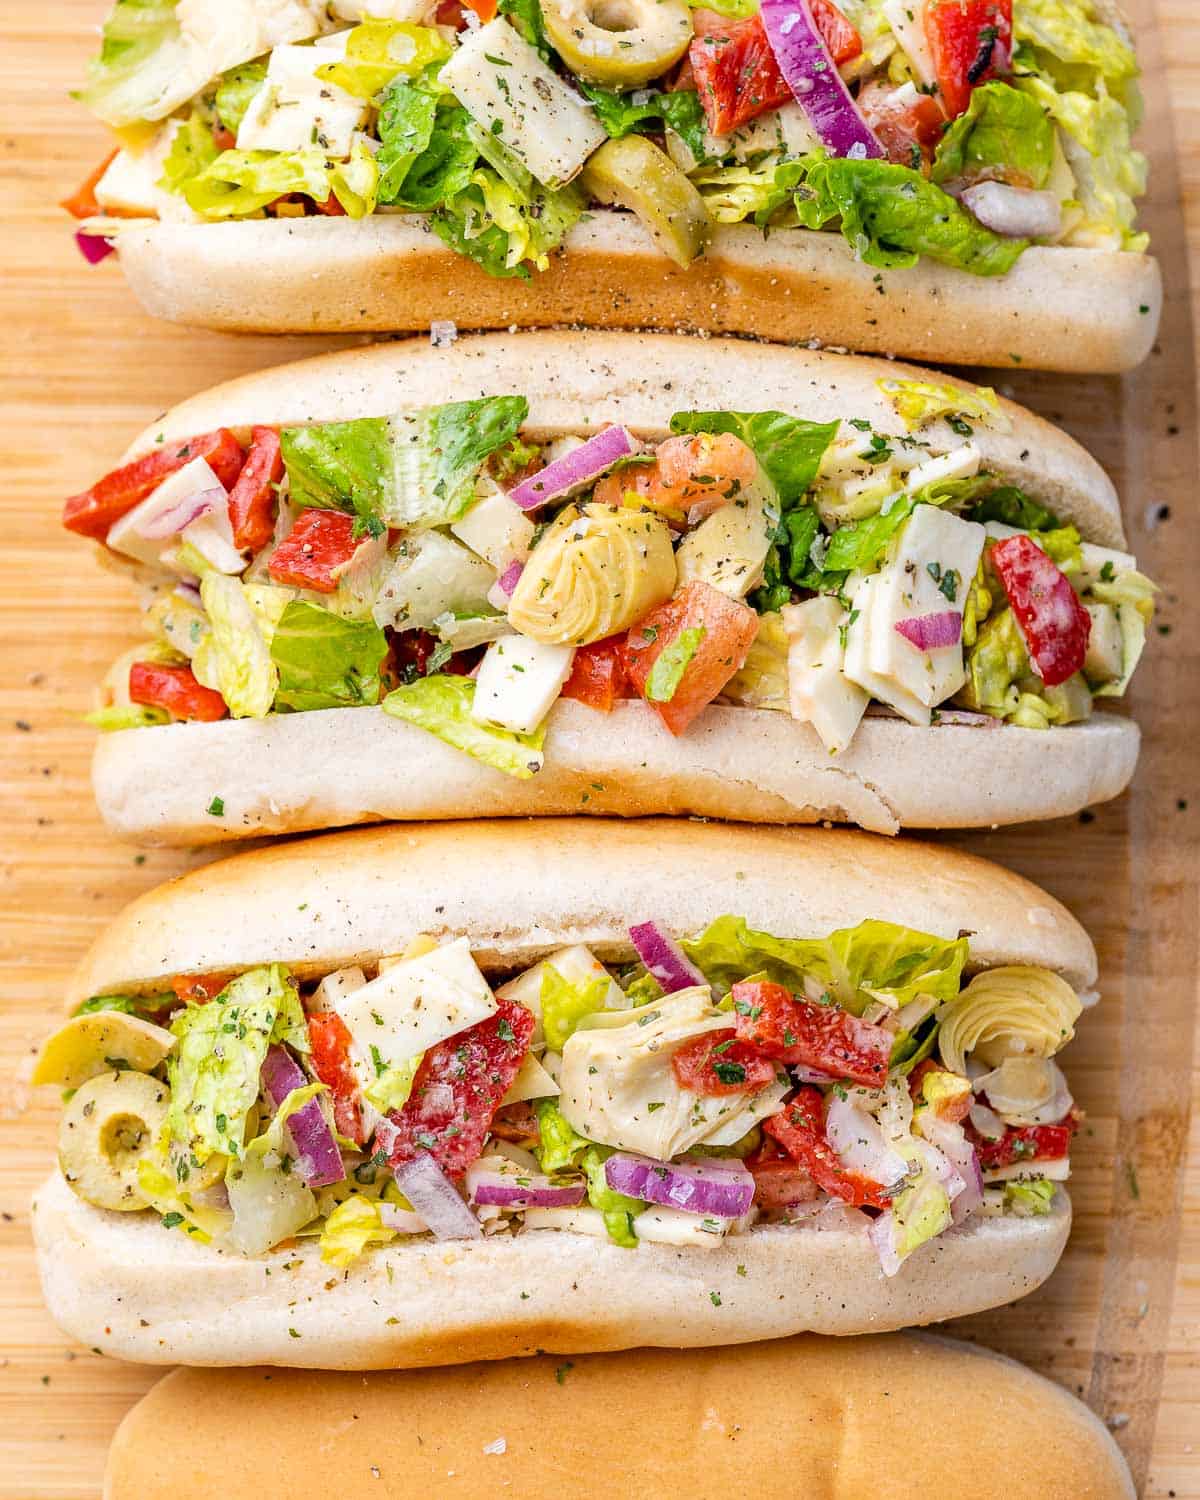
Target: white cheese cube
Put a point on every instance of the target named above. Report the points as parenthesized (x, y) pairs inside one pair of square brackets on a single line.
[(859, 629), (671, 1226), (518, 681), (574, 1220), (129, 187), (509, 91), (496, 528), (432, 575), (819, 692), (295, 109), (1105, 660), (907, 20), (234, 31), (997, 531), (336, 987), (532, 1082), (416, 1004), (960, 463), (579, 966), (125, 535), (1103, 564), (929, 572)]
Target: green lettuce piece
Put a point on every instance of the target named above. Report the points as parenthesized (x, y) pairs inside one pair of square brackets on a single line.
[(408, 118), (235, 91), (891, 216), (1012, 507), (192, 150), (238, 184), (355, 181), (1072, 34), (126, 716), (851, 964), (788, 448), (526, 16), (324, 661), (392, 1084), (919, 1214), (679, 110), (995, 664), (379, 51), (130, 1005), (619, 1211), (442, 703), (142, 58), (1133, 641), (565, 1004), (1003, 133), (736, 10), (1029, 1199), (559, 1145), (671, 663), (350, 1228), (214, 1072), (918, 402), (862, 544), (270, 1202), (291, 1027), (501, 224), (1061, 545), (174, 1204), (340, 465), (234, 658), (643, 990), (764, 191)]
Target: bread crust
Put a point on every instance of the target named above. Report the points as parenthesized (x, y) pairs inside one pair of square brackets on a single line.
[(518, 890), (122, 1284), (1059, 308), (826, 1410)]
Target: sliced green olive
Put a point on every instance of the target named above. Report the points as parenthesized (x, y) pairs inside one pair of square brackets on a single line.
[(107, 1127), (635, 174), (621, 43), (100, 1043)]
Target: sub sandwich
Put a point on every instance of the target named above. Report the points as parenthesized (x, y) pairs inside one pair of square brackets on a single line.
[(606, 573), (440, 1093), (951, 179)]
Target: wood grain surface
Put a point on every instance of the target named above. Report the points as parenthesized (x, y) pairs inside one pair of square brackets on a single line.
[(82, 370)]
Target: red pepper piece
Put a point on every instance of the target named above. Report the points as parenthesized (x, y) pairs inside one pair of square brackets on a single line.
[(1054, 624), (316, 552), (775, 1024), (252, 499), (598, 675), (971, 42), (199, 988), (838, 34), (735, 71), (800, 1130), (82, 202), (96, 511), (717, 1063), (176, 690), (330, 1042), (1025, 1143)]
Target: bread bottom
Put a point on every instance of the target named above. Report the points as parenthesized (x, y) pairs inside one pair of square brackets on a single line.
[(123, 1284), (202, 783)]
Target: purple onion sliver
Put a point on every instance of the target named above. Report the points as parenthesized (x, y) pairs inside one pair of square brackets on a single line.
[(436, 1199), (811, 74), (724, 1192), (665, 960), (509, 579), (318, 1160), (931, 632), (180, 515), (575, 470), (93, 247), (528, 1192)]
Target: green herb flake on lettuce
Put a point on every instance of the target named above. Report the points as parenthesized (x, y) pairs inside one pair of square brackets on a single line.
[(324, 661)]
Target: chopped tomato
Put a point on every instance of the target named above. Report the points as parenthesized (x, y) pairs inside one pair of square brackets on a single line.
[(780, 1183), (82, 202), (176, 690), (329, 1038), (454, 12), (1054, 624), (689, 474), (907, 130), (701, 638), (331, 207), (1025, 1143), (198, 988), (96, 511), (223, 140), (837, 33), (252, 499), (316, 552), (971, 42), (456, 1092), (800, 1130), (956, 1108), (598, 675), (735, 71), (777, 1025), (717, 1063), (517, 1123)]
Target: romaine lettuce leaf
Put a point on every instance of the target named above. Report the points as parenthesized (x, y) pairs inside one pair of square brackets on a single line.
[(379, 51), (502, 226), (619, 1211), (192, 150), (426, 156), (1072, 33), (393, 1082), (234, 657), (240, 183), (350, 1228), (125, 716), (921, 401), (1029, 1199), (565, 1004), (1012, 507), (1002, 133), (790, 449), (442, 705), (340, 465), (137, 75), (764, 191), (324, 661), (680, 111), (270, 1202), (235, 91), (559, 1144)]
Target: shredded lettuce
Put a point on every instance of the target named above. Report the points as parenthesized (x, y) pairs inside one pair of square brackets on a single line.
[(350, 1228), (619, 1211), (918, 402), (426, 155), (235, 656), (125, 716), (142, 65), (680, 111), (235, 91), (192, 150), (1070, 35), (1003, 133), (559, 1145), (239, 184), (324, 661), (442, 703), (1012, 507), (270, 1201), (565, 1004), (392, 1084), (1029, 1199)]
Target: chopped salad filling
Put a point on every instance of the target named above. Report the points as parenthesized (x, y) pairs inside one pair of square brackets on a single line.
[(959, 130), (438, 563), (732, 1079)]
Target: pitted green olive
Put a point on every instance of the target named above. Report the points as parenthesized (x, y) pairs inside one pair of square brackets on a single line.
[(597, 570), (100, 1043), (107, 1127), (633, 173), (621, 43)]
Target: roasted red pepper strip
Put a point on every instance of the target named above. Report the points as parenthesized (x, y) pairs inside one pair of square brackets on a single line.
[(774, 1023), (800, 1130), (717, 1063), (1054, 624), (316, 552), (176, 690), (252, 499), (96, 511), (837, 33), (735, 71), (598, 675), (199, 988), (330, 1042), (457, 1090), (1025, 1143), (82, 202), (970, 41), (908, 132)]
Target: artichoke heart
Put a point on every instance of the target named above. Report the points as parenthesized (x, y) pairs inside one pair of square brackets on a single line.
[(1006, 1012), (595, 572)]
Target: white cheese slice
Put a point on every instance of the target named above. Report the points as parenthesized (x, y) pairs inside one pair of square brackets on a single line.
[(819, 692), (518, 681), (129, 187), (125, 535), (416, 1004), (532, 1082), (335, 987), (855, 663), (295, 109), (579, 966), (512, 94), (929, 572), (907, 20), (1105, 659), (671, 1226), (496, 528), (574, 1220), (960, 463), (1095, 561)]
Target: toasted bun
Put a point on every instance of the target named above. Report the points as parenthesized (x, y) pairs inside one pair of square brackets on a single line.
[(518, 890), (122, 1284), (1058, 309), (579, 382), (816, 1415)]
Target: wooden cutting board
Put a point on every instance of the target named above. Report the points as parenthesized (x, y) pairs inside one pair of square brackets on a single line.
[(82, 370)]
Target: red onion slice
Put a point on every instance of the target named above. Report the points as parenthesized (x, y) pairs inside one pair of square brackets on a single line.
[(575, 470), (436, 1199), (931, 632), (811, 74), (724, 1191), (521, 1189), (1016, 212), (392, 1216), (665, 960), (882, 1234), (508, 580), (172, 521), (93, 247), (318, 1160)]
